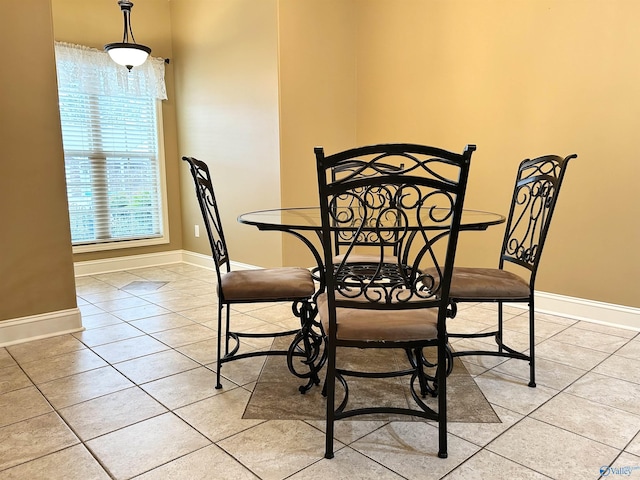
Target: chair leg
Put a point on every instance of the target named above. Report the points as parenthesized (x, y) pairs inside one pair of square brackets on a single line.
[(330, 386), (227, 335), (219, 353), (419, 366), (532, 346), (441, 374), (499, 334)]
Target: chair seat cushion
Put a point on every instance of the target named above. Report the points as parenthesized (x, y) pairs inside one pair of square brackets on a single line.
[(286, 283), (369, 325), (487, 283)]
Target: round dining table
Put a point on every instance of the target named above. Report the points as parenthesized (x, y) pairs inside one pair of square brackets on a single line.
[(308, 219), (305, 223)]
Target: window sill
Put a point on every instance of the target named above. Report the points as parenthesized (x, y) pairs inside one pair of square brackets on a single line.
[(99, 247)]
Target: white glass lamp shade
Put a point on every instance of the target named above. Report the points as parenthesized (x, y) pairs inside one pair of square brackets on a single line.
[(128, 54)]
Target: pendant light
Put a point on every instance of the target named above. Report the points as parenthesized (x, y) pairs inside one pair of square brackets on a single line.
[(126, 53)]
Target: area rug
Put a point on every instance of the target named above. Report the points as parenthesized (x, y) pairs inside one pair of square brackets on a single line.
[(276, 394)]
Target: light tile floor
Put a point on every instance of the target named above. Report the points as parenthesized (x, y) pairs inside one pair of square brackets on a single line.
[(132, 396)]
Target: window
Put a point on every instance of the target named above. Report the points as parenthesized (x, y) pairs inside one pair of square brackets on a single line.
[(113, 161)]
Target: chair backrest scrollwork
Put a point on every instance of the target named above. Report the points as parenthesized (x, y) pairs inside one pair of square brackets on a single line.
[(210, 214), (352, 169), (532, 205), (408, 207)]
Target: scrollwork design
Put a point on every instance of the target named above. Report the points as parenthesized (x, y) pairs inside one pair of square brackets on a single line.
[(399, 163), (532, 202), (364, 215), (438, 207), (548, 168), (378, 214), (218, 246), (382, 282)]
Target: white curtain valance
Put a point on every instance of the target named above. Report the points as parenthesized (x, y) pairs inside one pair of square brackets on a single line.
[(94, 72)]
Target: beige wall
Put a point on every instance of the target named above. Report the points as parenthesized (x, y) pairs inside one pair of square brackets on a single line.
[(519, 79), (36, 269), (227, 95), (96, 22), (317, 97)]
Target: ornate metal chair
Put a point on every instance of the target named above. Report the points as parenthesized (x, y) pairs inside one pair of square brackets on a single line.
[(387, 305), (534, 199), (247, 286)]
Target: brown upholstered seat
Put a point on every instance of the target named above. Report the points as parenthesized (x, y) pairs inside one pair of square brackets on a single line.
[(270, 284), (372, 325), (487, 283)]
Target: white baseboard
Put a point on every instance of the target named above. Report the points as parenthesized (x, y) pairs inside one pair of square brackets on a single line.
[(588, 310), (198, 259), (206, 261), (115, 264), (44, 325)]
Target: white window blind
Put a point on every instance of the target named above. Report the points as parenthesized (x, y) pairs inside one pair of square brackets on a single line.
[(110, 137)]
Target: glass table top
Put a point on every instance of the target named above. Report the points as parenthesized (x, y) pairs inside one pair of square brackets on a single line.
[(308, 218)]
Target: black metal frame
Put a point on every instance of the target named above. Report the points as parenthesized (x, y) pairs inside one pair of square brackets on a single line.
[(533, 202), (345, 238), (305, 344), (391, 205)]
